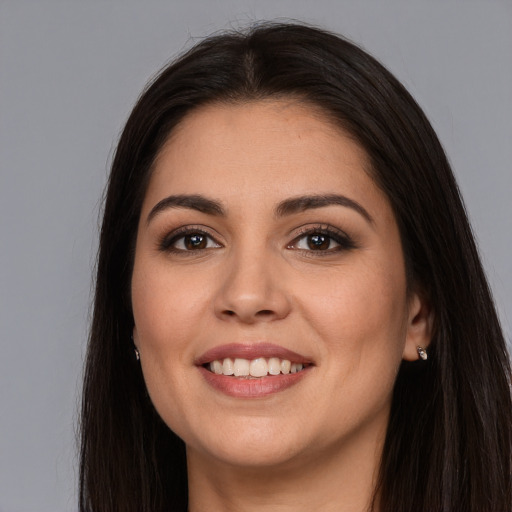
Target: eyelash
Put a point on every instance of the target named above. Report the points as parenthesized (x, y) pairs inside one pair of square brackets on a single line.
[(168, 241), (344, 242)]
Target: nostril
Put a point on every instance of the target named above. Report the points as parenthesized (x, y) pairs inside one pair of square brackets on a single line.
[(265, 312)]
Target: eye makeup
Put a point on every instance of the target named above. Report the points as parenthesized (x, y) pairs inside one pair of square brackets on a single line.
[(322, 239), (187, 239)]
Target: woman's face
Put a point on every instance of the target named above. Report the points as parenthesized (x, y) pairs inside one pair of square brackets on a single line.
[(264, 244)]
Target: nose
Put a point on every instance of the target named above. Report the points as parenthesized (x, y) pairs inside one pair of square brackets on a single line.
[(253, 289)]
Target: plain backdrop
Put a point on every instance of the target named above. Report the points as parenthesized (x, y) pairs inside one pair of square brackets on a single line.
[(70, 72)]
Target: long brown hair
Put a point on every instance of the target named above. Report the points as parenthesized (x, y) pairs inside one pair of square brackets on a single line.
[(448, 445)]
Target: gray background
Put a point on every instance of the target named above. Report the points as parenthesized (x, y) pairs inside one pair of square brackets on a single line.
[(69, 73)]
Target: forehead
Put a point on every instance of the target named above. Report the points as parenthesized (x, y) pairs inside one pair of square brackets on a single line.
[(266, 149)]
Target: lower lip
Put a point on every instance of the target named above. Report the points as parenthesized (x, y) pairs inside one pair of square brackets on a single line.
[(252, 388)]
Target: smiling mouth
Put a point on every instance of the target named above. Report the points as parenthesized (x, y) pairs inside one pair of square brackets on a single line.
[(254, 368), (253, 371)]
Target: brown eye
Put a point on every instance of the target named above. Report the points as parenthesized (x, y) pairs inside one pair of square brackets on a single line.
[(195, 241), (324, 240), (318, 242), (189, 241)]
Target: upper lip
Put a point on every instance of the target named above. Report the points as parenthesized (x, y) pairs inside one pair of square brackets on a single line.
[(250, 351)]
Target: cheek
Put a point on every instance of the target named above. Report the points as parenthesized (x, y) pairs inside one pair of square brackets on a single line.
[(166, 307), (359, 315), (362, 323), (166, 312)]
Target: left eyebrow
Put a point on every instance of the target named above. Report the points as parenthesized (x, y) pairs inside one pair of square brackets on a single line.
[(302, 203), (192, 202)]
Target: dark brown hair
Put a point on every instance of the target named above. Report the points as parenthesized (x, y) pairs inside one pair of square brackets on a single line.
[(448, 445)]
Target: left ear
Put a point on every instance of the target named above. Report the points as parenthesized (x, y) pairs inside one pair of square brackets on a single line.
[(419, 326)]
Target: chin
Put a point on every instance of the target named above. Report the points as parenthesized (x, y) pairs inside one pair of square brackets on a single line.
[(254, 444)]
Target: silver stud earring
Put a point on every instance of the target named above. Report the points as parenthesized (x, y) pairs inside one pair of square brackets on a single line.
[(137, 355), (422, 353)]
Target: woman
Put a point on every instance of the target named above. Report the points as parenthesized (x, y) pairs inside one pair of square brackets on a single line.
[(290, 311)]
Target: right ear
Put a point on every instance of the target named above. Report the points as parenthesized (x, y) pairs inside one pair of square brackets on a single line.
[(419, 327), (135, 343)]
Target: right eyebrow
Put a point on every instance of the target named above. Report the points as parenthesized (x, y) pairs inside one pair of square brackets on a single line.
[(193, 202), (303, 203)]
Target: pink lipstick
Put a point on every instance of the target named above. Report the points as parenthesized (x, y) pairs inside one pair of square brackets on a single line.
[(252, 371)]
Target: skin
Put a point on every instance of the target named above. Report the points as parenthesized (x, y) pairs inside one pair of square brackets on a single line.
[(317, 444)]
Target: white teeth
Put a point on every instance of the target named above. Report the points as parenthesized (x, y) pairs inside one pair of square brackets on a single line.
[(228, 367), (241, 367), (259, 367), (274, 366), (216, 367), (296, 367)]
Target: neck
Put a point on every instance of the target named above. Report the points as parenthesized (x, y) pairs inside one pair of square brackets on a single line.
[(342, 480)]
